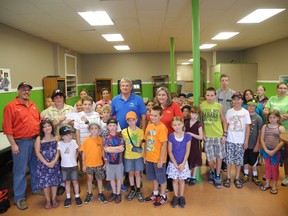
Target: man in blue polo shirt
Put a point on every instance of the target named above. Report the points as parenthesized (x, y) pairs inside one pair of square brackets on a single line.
[(127, 101)]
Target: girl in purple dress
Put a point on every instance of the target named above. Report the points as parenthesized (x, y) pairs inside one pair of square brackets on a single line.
[(48, 164), (178, 169)]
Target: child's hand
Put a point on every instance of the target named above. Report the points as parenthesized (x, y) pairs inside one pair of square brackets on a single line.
[(256, 148), (271, 153), (245, 145), (181, 167), (84, 118), (223, 139), (159, 164), (84, 168)]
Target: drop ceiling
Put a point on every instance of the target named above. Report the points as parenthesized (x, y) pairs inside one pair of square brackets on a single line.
[(146, 25)]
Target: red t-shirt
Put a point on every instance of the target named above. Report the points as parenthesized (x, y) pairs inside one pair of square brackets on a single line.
[(20, 120), (168, 114)]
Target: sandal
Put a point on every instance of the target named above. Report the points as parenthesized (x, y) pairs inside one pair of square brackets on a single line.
[(238, 183), (264, 188), (274, 191), (227, 182)]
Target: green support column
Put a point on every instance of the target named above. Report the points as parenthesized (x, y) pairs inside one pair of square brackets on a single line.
[(173, 86), (196, 60)]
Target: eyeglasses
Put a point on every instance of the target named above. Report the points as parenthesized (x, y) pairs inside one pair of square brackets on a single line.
[(282, 88)]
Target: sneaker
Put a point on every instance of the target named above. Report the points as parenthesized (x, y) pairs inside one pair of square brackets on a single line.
[(60, 190), (192, 182), (78, 201), (150, 198), (182, 202), (244, 178), (175, 201), (211, 176), (218, 181), (112, 197), (123, 188), (285, 181), (21, 204), (118, 198), (256, 180), (131, 195), (160, 201), (88, 198), (67, 202), (102, 198), (139, 196), (187, 181)]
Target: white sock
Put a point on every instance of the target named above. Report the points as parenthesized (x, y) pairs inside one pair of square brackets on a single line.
[(246, 171), (77, 195), (255, 173), (156, 192), (68, 196)]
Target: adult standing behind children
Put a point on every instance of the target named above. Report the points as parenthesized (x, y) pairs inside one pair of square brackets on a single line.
[(21, 119), (105, 94), (57, 112), (279, 102), (127, 101)]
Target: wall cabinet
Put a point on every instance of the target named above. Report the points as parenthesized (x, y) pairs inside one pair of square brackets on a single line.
[(51, 83), (101, 83), (71, 75)]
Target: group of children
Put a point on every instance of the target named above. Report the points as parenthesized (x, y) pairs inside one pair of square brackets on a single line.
[(108, 152)]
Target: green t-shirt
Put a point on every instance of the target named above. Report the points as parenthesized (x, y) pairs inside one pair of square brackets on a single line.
[(280, 104), (212, 119)]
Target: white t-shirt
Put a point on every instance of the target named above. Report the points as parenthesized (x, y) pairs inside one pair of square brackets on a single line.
[(82, 127), (237, 121), (68, 153)]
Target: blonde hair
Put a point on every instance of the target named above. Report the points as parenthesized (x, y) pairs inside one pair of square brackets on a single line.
[(107, 107)]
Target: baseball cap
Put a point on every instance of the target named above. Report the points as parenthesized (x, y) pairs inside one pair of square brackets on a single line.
[(57, 92), (64, 130), (131, 114), (252, 102), (24, 84), (189, 95), (237, 94), (112, 121)]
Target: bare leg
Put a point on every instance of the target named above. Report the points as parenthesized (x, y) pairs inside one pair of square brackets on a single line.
[(47, 197), (113, 186), (181, 187), (175, 187), (218, 165), (131, 178), (89, 183), (228, 170), (138, 179), (118, 182), (54, 195), (100, 185)]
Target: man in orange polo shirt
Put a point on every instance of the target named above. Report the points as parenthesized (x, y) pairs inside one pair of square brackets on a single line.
[(21, 119)]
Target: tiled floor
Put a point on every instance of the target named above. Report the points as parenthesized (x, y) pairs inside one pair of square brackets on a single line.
[(202, 199)]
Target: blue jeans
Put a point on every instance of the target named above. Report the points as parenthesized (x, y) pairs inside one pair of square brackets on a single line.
[(26, 157)]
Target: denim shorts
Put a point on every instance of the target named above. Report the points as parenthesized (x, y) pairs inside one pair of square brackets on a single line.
[(155, 173), (133, 164), (69, 173)]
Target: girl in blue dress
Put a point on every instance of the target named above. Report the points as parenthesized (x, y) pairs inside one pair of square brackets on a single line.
[(48, 164)]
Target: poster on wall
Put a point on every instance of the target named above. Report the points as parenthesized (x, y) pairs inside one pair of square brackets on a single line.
[(5, 80)]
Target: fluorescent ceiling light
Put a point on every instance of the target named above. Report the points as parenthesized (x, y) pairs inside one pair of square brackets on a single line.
[(260, 15), (113, 37), (191, 60), (207, 46), (185, 63), (122, 47), (96, 18), (224, 35)]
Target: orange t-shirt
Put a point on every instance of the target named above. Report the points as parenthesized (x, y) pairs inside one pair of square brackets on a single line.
[(154, 136), (93, 149)]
